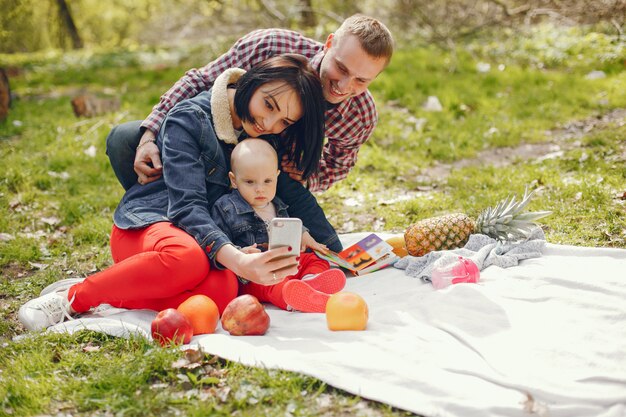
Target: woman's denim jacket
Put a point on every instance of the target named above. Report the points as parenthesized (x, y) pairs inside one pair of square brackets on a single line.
[(195, 175), (239, 221)]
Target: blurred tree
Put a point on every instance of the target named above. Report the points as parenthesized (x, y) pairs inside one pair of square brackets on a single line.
[(5, 95), (347, 8), (309, 20), (26, 25), (65, 15), (16, 34), (445, 21)]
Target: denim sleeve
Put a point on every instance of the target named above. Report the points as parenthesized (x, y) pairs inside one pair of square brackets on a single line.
[(219, 217), (184, 175)]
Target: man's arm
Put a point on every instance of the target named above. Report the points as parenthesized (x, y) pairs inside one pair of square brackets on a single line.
[(345, 136), (335, 166)]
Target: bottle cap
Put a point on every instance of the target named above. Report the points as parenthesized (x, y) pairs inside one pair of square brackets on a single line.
[(473, 273)]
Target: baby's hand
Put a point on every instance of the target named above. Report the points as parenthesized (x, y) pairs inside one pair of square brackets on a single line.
[(250, 249), (309, 242)]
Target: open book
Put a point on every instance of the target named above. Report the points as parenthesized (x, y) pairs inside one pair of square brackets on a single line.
[(367, 255)]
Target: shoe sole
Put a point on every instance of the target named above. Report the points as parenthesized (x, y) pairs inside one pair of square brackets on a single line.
[(302, 297), (329, 282), (61, 284)]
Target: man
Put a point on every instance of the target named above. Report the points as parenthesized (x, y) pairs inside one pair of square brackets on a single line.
[(349, 60)]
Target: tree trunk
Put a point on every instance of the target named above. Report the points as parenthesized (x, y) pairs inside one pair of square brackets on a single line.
[(309, 19), (68, 23), (5, 95)]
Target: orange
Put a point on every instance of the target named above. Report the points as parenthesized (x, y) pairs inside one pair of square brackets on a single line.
[(399, 245), (201, 312), (346, 311)]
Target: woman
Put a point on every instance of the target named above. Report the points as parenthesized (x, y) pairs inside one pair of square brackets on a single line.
[(164, 243)]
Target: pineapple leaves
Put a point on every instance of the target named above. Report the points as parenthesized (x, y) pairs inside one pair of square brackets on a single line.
[(533, 216), (506, 222)]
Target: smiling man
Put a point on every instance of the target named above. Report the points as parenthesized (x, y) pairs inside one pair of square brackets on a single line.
[(349, 60)]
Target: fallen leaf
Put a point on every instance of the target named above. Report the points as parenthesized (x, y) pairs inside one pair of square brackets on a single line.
[(50, 220), (5, 237), (91, 348), (432, 103), (595, 75), (62, 175), (38, 266), (352, 202), (220, 393), (36, 235), (180, 363), (194, 355), (90, 151), (483, 67)]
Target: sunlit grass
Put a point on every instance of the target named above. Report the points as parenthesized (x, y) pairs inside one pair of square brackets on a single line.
[(58, 193)]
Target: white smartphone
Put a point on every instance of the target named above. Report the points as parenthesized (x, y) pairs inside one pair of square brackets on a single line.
[(286, 232)]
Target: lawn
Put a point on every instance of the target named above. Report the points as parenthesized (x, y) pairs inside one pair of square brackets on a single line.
[(516, 111)]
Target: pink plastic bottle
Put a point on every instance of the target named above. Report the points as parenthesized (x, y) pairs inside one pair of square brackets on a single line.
[(454, 271)]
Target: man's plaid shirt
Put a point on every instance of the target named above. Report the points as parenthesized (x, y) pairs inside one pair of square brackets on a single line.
[(348, 125)]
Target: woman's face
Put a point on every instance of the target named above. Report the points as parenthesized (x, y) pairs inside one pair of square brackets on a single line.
[(274, 107)]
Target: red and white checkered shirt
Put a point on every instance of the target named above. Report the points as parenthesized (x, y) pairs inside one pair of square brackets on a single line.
[(348, 125)]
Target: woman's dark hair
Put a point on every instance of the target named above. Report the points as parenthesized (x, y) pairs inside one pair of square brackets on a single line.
[(304, 138)]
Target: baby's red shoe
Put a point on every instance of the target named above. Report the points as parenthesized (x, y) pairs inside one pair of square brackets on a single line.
[(330, 281), (300, 296)]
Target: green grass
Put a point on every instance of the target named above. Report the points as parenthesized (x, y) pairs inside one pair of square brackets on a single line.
[(56, 201)]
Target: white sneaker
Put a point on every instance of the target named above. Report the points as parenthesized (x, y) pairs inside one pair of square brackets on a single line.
[(61, 285), (45, 311)]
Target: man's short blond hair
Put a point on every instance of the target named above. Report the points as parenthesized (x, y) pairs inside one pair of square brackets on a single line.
[(374, 37)]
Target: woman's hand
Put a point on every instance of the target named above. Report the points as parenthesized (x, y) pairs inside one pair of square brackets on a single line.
[(309, 242), (264, 268), (147, 154)]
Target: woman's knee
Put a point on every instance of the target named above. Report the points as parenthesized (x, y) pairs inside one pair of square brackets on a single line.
[(221, 286), (187, 262)]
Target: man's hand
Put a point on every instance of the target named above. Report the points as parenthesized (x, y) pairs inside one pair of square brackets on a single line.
[(309, 242), (251, 249), (147, 159), (290, 168)]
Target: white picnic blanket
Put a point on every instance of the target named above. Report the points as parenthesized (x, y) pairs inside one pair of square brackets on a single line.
[(545, 338)]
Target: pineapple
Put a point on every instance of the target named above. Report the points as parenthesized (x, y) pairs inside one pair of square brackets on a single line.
[(505, 222)]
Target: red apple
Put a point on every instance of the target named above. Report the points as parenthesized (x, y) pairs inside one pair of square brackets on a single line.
[(245, 316), (171, 326)]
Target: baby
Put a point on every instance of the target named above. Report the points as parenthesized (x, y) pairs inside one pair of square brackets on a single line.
[(244, 216)]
